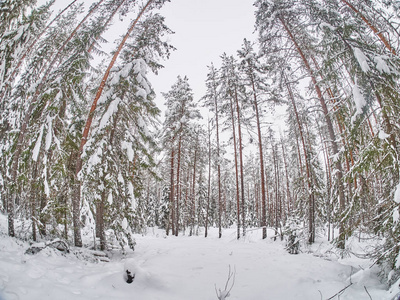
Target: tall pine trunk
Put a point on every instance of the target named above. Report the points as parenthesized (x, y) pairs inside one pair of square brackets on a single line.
[(178, 189), (172, 193), (218, 168), (332, 135), (76, 201), (236, 168), (209, 180), (260, 150), (28, 49), (310, 191), (372, 27), (243, 204)]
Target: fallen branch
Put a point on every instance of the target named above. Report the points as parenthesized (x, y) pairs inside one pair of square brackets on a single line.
[(222, 295), (367, 292), (341, 291)]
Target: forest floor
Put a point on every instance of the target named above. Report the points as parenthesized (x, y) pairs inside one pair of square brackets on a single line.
[(184, 267)]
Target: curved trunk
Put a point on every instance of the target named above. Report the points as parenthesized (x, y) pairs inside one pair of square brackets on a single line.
[(76, 201), (28, 113), (372, 27), (311, 237), (332, 136), (28, 49)]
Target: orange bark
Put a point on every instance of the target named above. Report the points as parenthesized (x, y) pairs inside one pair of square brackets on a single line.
[(372, 27)]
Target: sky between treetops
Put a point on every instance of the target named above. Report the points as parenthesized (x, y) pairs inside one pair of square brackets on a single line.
[(204, 30)]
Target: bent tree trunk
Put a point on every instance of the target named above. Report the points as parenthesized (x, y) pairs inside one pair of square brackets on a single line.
[(332, 135), (310, 193), (25, 121), (76, 201), (28, 49), (372, 27)]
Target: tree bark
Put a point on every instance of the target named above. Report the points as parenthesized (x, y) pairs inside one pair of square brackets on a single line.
[(209, 180), (178, 190), (76, 201), (310, 193), (372, 27), (260, 150), (236, 168), (243, 204), (218, 167), (28, 49), (193, 197), (332, 136), (172, 192)]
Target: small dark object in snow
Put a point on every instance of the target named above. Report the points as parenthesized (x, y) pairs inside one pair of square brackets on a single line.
[(129, 276)]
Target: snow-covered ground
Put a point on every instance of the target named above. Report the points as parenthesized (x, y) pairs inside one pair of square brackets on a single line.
[(187, 268)]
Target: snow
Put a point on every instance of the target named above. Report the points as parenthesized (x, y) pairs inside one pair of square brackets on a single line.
[(326, 25), (124, 224), (359, 99), (123, 73), (112, 108), (362, 59), (381, 65), (110, 198), (383, 135), (129, 150), (398, 262), (95, 159), (131, 191), (45, 182), (49, 133), (174, 268), (141, 93), (38, 143), (396, 215), (397, 194)]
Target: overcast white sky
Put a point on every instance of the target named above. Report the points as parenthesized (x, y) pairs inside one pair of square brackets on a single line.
[(204, 29)]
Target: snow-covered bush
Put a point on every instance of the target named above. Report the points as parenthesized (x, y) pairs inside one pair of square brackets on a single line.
[(294, 234)]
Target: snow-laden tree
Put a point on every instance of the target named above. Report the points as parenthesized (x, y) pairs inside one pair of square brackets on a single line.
[(285, 23), (181, 112), (212, 100), (233, 91), (119, 153), (255, 81)]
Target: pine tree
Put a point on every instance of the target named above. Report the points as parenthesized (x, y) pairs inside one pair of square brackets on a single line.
[(122, 133), (76, 201), (181, 111), (255, 83), (233, 89), (284, 18), (212, 99)]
